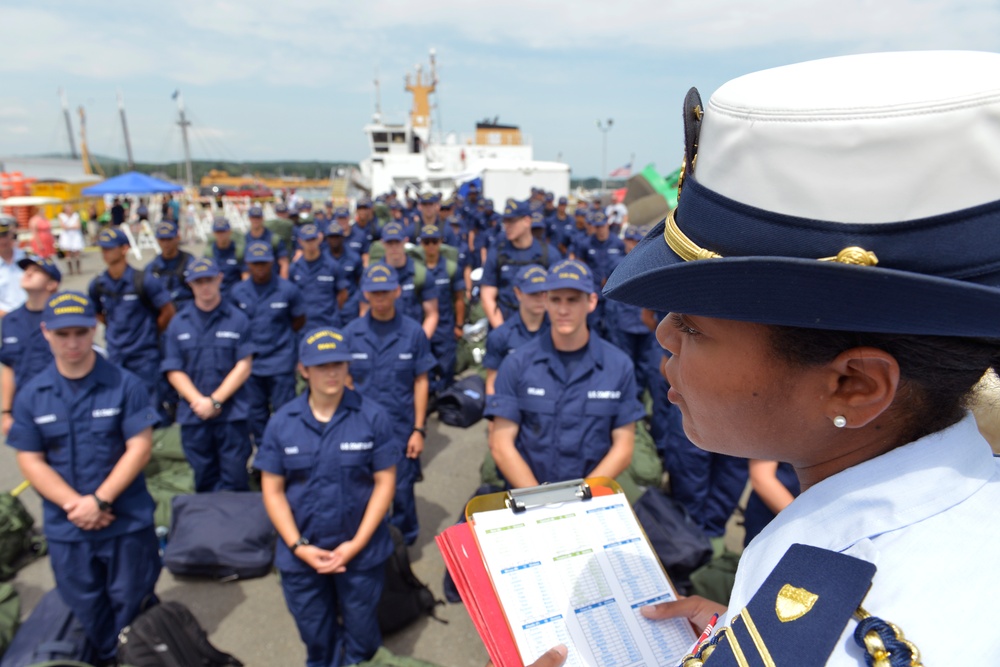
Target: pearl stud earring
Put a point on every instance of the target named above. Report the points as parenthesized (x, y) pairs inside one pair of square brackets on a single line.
[(840, 421)]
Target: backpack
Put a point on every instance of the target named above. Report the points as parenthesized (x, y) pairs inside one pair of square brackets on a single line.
[(168, 635), (138, 284), (10, 615), (51, 633), (504, 258), (20, 543), (178, 271), (224, 535), (405, 598)]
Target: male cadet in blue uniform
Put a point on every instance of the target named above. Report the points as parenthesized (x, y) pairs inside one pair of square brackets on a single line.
[(226, 255), (328, 477), (449, 281), (631, 331), (25, 352), (429, 207), (351, 269), (135, 309), (419, 294), (391, 357), (558, 221), (320, 280), (207, 358), (83, 431), (564, 405), (258, 232), (169, 266), (276, 312), (601, 252), (577, 232), (529, 321), (515, 249)]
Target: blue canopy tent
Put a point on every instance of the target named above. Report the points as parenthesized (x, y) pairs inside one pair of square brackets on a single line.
[(132, 183)]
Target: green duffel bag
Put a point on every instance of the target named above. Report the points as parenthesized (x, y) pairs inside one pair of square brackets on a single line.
[(168, 473), (10, 615), (385, 658), (20, 543)]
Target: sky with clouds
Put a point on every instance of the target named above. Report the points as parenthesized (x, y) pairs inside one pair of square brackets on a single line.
[(293, 79)]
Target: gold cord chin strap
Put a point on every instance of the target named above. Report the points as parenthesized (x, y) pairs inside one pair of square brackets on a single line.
[(690, 251)]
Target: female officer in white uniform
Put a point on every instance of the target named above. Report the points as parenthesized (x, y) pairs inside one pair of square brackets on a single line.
[(832, 274)]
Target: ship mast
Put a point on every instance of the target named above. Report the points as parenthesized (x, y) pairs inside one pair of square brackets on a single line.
[(128, 142), (84, 151), (184, 123), (69, 125)]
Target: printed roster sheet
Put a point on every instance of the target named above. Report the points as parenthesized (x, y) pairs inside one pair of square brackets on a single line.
[(577, 573)]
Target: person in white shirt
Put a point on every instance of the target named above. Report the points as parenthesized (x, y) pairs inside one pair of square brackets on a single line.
[(12, 295), (71, 237)]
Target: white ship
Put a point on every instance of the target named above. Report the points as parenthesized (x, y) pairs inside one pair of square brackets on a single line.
[(409, 155)]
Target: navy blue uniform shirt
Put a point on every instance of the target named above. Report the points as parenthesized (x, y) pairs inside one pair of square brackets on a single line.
[(565, 420), (411, 300), (509, 336), (25, 349), (384, 368), (271, 311), (171, 275), (232, 265), (81, 426), (319, 281), (504, 261), (131, 331), (207, 349), (329, 473)]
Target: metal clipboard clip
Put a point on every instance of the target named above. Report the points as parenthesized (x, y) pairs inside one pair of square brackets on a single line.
[(519, 500)]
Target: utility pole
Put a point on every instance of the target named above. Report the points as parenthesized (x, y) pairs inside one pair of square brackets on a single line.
[(184, 123), (128, 142), (69, 125), (604, 127)]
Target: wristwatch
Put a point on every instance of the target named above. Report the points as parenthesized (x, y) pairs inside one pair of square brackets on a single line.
[(102, 505), (299, 543), (215, 403), (421, 431)]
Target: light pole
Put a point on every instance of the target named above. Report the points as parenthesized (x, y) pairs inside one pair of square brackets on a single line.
[(604, 127)]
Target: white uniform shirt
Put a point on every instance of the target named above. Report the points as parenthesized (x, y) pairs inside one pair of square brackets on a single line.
[(928, 516), (12, 295)]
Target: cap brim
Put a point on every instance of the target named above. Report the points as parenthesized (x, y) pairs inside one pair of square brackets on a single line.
[(802, 293), (71, 321)]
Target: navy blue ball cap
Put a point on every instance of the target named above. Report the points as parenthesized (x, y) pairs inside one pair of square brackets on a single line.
[(429, 198), (166, 230), (580, 210), (280, 208), (258, 212), (531, 279), (379, 277), (334, 230), (879, 252), (570, 274), (112, 238), (393, 232), (259, 252), (430, 232), (514, 210), (220, 224), (563, 201), (64, 310), (634, 234), (323, 346), (308, 232), (306, 206), (342, 212), (537, 220), (599, 219), (201, 268), (364, 202), (488, 204), (46, 264)]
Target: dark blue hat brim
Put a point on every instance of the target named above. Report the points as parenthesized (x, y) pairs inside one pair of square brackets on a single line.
[(70, 322), (803, 293)]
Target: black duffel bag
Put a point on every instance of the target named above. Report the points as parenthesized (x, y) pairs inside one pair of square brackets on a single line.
[(678, 541), (462, 404)]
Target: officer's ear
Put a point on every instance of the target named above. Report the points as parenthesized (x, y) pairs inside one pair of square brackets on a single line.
[(591, 302)]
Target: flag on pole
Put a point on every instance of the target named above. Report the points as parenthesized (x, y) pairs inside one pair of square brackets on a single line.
[(624, 171)]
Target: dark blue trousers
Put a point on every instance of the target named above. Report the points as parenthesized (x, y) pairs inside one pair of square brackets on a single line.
[(105, 582), (315, 600), (266, 394), (637, 346), (404, 503), (444, 347), (218, 452)]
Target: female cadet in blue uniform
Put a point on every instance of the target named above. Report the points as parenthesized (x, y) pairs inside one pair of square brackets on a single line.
[(601, 252), (25, 352), (83, 431), (564, 405), (276, 312), (207, 358), (318, 277), (134, 307), (328, 477), (391, 359), (529, 321)]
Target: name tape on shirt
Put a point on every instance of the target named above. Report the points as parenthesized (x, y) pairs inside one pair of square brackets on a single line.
[(105, 412), (606, 395), (356, 446), (535, 391), (227, 334)]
